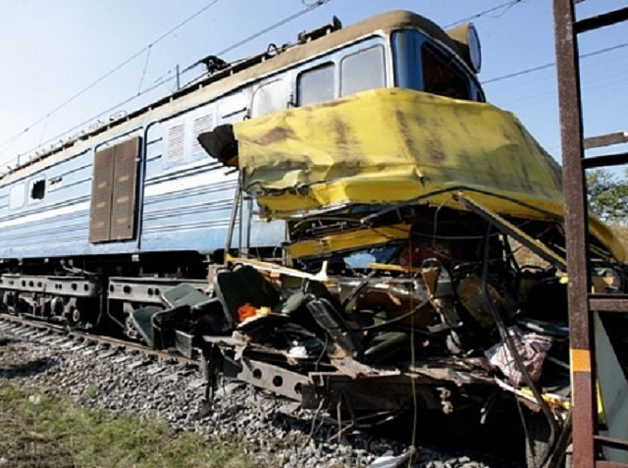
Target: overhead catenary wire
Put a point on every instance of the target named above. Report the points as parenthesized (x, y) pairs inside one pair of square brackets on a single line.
[(109, 73), (552, 64), (272, 27), (168, 77), (502, 6), (309, 6), (139, 88)]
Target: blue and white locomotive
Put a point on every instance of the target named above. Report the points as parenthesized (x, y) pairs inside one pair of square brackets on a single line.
[(105, 223)]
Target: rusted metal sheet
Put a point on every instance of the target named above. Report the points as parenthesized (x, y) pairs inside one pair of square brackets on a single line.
[(102, 190), (611, 442), (114, 189), (609, 464), (123, 206), (583, 410), (581, 304), (605, 160), (390, 393), (273, 378), (606, 140), (611, 303)]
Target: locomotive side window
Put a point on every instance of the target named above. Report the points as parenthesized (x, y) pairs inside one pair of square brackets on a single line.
[(269, 97), (316, 85), (37, 189), (441, 78), (363, 70)]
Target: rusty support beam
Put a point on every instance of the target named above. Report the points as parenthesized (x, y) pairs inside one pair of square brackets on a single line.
[(609, 139), (506, 227), (600, 21), (572, 137), (610, 464), (609, 303), (605, 160), (612, 442)]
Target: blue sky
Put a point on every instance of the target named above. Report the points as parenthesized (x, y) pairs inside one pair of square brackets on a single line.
[(50, 51)]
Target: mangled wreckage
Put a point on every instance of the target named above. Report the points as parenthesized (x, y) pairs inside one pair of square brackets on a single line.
[(402, 281)]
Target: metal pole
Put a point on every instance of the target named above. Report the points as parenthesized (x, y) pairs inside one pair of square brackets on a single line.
[(576, 234), (234, 216)]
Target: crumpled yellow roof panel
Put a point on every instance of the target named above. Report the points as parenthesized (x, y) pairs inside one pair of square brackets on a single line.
[(391, 146)]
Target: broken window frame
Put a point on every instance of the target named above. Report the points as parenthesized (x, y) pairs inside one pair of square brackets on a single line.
[(33, 185), (429, 52), (270, 96), (408, 46)]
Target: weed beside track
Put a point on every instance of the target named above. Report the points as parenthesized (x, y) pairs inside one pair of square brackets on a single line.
[(40, 429)]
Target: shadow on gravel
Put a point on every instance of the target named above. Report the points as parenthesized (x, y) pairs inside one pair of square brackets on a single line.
[(233, 411), (27, 369), (6, 341), (434, 433)]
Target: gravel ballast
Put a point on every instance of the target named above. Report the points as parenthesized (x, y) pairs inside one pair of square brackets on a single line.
[(276, 431)]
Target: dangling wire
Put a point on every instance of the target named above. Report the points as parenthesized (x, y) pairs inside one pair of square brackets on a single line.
[(502, 6), (139, 88), (505, 338), (415, 408)]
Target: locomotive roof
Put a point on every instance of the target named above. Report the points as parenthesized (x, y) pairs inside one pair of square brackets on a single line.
[(238, 74)]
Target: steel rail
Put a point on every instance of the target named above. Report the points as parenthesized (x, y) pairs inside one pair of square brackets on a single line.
[(98, 339)]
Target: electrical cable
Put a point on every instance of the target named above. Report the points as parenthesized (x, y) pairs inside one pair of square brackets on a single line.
[(139, 88), (110, 72), (505, 337), (97, 116), (274, 26), (163, 79), (552, 64), (505, 6), (415, 405)]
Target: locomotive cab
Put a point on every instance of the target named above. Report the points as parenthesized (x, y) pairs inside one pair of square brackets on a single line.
[(407, 52), (423, 64)]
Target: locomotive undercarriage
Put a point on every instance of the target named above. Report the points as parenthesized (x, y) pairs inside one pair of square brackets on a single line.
[(71, 300), (89, 297)]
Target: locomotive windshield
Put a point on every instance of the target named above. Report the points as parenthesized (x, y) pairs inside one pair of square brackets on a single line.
[(359, 67), (424, 65)]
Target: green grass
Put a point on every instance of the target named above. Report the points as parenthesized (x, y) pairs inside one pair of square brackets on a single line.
[(45, 431)]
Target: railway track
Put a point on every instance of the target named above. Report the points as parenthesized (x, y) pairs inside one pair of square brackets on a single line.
[(115, 373), (86, 337)]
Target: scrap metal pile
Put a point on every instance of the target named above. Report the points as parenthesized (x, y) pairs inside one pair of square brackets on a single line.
[(403, 281)]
